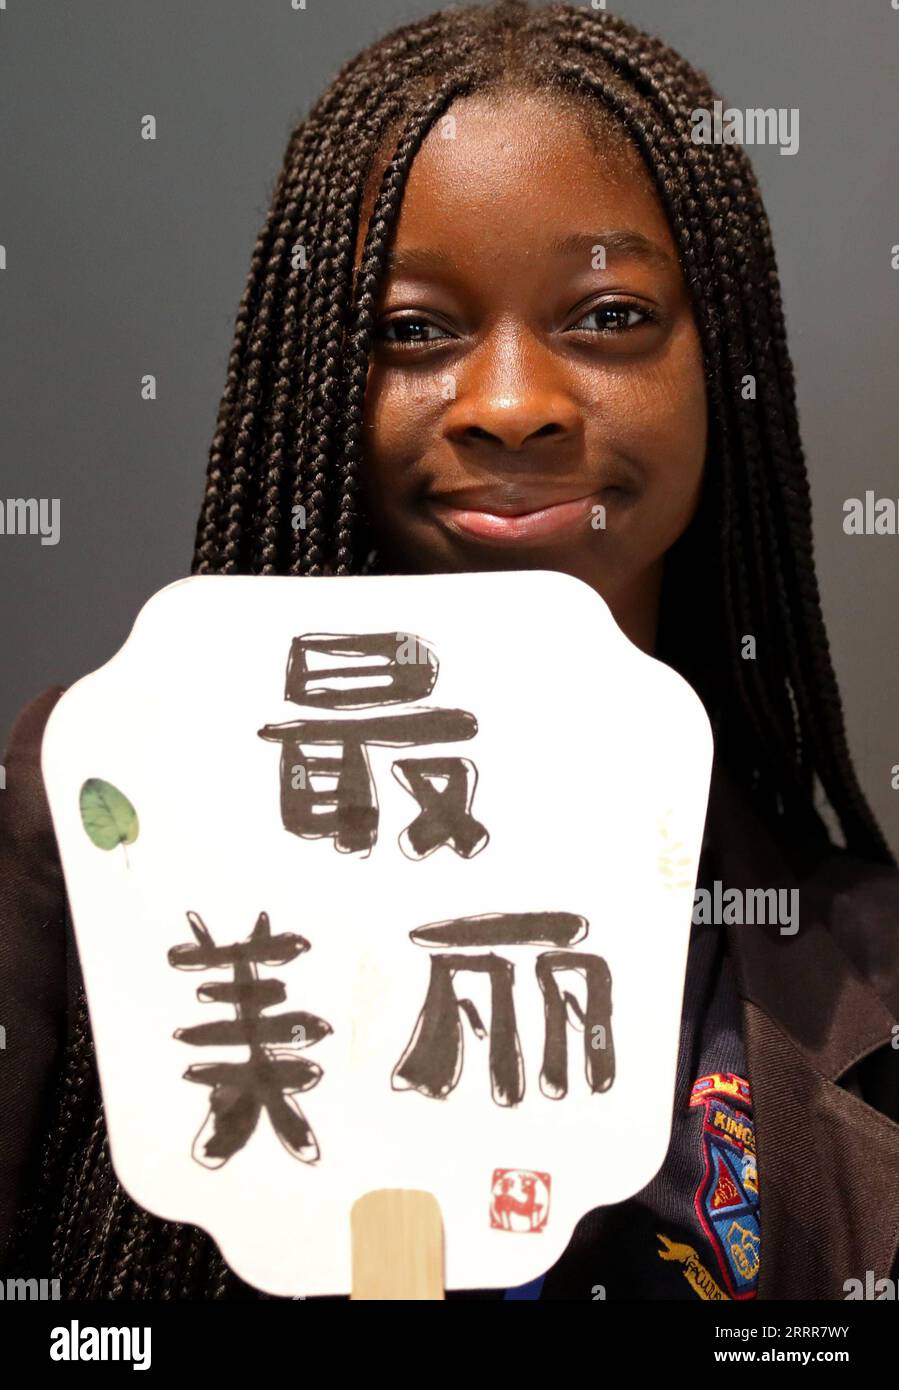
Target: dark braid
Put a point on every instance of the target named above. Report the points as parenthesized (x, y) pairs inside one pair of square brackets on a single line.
[(289, 435)]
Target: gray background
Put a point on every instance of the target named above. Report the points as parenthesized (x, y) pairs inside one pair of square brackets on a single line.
[(126, 257)]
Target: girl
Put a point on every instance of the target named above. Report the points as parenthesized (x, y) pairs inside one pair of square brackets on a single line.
[(505, 312)]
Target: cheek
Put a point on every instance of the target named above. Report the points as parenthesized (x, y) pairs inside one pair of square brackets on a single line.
[(397, 420), (401, 420), (663, 427), (384, 438)]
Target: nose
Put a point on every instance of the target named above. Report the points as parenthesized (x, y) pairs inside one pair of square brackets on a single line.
[(513, 398)]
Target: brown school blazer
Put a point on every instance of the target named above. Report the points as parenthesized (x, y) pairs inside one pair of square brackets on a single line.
[(820, 1011)]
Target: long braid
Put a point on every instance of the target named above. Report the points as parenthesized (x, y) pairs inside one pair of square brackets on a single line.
[(371, 271), (288, 435)]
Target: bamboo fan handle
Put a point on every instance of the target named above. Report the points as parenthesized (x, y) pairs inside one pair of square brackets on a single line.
[(397, 1245)]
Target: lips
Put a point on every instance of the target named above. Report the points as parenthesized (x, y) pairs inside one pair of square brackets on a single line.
[(504, 515)]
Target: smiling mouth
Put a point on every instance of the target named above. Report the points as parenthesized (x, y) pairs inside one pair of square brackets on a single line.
[(536, 523)]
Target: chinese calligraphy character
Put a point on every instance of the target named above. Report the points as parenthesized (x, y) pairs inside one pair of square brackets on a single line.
[(270, 1078), (347, 809), (432, 1060)]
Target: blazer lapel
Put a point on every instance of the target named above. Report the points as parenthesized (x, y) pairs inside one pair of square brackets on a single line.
[(828, 1166), (828, 1161)]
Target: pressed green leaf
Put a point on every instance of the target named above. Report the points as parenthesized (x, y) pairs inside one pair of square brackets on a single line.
[(107, 815)]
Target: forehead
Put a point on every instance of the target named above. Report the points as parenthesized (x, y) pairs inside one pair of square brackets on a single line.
[(504, 175)]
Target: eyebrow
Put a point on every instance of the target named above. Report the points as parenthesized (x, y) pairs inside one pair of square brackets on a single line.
[(417, 258), (623, 243)]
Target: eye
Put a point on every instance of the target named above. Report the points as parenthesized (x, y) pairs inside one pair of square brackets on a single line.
[(409, 332), (616, 317)]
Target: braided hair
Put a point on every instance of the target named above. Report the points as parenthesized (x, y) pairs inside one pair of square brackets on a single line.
[(288, 440)]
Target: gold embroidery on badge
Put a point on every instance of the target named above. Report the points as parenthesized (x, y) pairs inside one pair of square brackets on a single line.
[(694, 1271)]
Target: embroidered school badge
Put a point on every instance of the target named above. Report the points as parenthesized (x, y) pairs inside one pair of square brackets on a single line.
[(727, 1197)]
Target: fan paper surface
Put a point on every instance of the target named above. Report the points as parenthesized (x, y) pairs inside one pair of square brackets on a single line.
[(381, 882)]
